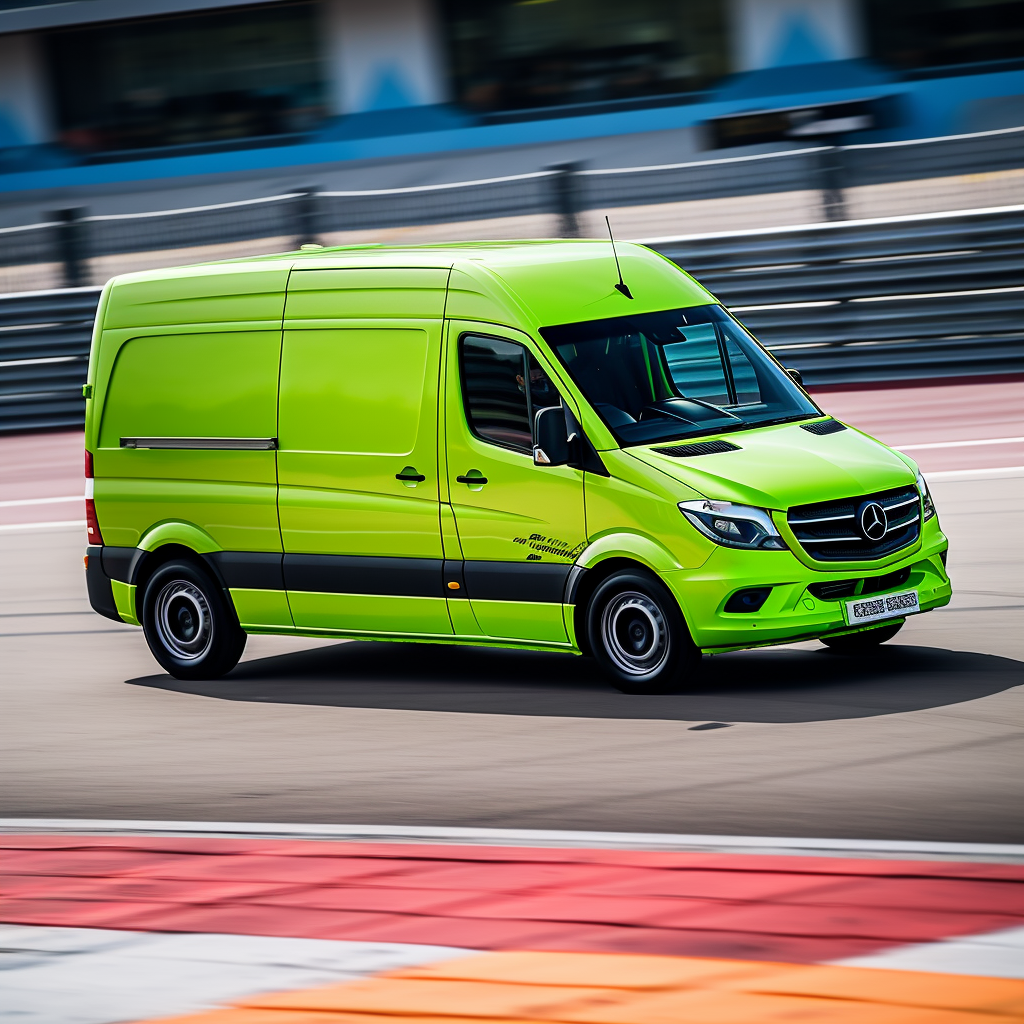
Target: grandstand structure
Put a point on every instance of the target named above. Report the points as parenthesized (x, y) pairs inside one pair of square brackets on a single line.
[(103, 97)]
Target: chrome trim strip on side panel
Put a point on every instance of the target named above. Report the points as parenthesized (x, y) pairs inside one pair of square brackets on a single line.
[(226, 444)]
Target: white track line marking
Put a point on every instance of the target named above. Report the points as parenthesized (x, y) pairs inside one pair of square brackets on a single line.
[(516, 837), (949, 444), (93, 976), (42, 526), (992, 954), (41, 501), (971, 474)]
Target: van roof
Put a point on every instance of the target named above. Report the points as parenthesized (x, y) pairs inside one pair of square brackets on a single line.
[(524, 283)]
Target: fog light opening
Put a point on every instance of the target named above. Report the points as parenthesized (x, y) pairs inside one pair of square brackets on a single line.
[(748, 601)]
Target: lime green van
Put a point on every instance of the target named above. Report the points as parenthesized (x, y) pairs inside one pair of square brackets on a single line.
[(504, 444)]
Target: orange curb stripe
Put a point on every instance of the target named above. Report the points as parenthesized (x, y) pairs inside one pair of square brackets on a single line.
[(600, 988)]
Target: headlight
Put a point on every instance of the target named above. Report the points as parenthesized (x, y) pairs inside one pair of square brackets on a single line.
[(926, 497), (735, 526)]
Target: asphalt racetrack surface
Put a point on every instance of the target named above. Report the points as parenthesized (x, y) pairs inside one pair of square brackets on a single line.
[(922, 741)]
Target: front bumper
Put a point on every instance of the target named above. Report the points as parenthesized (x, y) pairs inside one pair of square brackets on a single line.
[(791, 611)]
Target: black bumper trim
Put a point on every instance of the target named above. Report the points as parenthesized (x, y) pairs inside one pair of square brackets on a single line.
[(101, 593)]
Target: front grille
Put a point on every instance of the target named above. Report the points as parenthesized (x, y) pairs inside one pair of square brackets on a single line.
[(891, 580), (687, 451), (835, 590), (829, 531), (823, 427)]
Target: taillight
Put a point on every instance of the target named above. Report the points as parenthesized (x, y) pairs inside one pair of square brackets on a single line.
[(92, 524)]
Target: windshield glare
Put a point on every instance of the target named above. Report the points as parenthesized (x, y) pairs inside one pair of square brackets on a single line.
[(680, 373)]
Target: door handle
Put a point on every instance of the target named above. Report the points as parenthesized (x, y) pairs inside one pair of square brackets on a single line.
[(475, 480), (409, 475)]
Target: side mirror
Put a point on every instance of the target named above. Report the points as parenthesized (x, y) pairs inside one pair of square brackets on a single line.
[(552, 441), (796, 375)]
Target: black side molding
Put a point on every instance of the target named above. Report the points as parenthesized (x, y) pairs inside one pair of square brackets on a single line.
[(541, 582), (249, 570), (364, 574), (101, 594)]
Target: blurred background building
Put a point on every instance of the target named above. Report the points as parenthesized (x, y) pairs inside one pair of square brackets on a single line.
[(93, 82), (846, 174)]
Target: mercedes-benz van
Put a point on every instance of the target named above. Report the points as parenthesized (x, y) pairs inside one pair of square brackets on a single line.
[(495, 443)]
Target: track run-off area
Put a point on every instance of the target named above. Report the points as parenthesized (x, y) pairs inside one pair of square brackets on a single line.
[(923, 741)]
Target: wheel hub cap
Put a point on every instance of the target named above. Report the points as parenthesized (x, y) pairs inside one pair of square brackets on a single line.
[(183, 620), (635, 634)]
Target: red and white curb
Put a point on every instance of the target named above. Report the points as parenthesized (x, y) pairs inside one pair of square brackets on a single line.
[(113, 921)]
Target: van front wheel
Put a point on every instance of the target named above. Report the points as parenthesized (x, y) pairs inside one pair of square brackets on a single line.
[(638, 634), (190, 627)]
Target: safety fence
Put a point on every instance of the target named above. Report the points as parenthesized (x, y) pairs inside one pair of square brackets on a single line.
[(932, 295), (815, 184)]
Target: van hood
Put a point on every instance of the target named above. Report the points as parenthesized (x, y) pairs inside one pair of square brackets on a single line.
[(781, 466)]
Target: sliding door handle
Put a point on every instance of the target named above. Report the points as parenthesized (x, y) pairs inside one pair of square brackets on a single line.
[(410, 476)]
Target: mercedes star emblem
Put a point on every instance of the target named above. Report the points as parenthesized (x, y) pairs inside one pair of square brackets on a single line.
[(873, 523)]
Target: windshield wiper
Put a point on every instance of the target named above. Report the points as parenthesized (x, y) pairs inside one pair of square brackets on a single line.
[(702, 430), (785, 419)]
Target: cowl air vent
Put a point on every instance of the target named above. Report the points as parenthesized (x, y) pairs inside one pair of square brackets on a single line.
[(823, 427), (688, 451)]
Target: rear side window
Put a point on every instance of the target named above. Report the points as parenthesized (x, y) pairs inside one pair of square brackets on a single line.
[(503, 387)]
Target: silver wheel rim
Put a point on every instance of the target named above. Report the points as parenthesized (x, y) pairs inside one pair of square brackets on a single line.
[(183, 620), (634, 633)]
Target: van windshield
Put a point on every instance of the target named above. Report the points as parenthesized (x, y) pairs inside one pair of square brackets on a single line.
[(679, 373)]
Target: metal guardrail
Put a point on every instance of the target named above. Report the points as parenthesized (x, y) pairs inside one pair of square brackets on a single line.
[(44, 355), (73, 237), (896, 298), (925, 296)]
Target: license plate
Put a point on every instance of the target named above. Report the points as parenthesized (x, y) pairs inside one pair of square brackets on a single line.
[(885, 606)]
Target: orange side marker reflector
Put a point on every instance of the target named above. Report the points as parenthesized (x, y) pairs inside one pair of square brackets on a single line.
[(453, 585)]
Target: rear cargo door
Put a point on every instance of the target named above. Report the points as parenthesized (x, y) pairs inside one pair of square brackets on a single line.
[(357, 458)]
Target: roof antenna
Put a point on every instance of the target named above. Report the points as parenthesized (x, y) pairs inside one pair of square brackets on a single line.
[(621, 286)]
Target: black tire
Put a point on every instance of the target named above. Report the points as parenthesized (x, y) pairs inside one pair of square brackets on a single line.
[(864, 641), (189, 623), (638, 635)]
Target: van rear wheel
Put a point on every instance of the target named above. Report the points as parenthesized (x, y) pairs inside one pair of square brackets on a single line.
[(638, 634), (864, 641), (189, 623)]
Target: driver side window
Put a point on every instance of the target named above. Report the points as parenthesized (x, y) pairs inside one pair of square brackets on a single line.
[(503, 387)]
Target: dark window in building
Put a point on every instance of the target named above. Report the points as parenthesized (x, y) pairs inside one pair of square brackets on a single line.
[(931, 33), (514, 55), (192, 78)]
